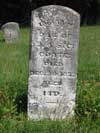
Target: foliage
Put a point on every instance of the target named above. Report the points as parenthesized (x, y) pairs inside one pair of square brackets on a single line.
[(12, 10), (14, 71), (72, 126), (14, 80), (7, 107)]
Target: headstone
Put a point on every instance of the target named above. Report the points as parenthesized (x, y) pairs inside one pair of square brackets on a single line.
[(11, 32), (53, 62)]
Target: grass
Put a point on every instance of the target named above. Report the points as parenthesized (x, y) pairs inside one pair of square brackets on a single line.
[(14, 84)]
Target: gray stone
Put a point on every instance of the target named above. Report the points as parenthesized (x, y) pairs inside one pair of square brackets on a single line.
[(11, 32), (53, 63)]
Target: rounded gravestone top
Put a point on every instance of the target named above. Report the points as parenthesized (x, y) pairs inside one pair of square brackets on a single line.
[(59, 7), (9, 23)]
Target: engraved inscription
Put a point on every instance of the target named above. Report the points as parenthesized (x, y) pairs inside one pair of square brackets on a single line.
[(50, 93)]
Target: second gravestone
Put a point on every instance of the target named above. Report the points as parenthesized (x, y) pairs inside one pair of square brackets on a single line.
[(11, 32), (53, 62)]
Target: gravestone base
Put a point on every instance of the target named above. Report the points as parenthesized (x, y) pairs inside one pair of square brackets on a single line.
[(49, 103)]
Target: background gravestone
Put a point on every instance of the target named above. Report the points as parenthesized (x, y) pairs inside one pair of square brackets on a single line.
[(53, 62), (11, 32)]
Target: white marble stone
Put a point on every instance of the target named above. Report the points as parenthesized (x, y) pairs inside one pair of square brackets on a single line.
[(53, 62)]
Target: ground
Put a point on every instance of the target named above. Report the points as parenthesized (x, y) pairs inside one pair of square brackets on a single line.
[(14, 83)]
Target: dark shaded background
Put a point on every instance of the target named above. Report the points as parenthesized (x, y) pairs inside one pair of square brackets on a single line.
[(20, 10)]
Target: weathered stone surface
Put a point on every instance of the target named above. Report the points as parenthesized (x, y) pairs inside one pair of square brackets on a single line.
[(53, 62), (11, 32)]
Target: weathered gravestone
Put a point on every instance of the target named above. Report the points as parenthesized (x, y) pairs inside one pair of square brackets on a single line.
[(53, 62), (11, 32)]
